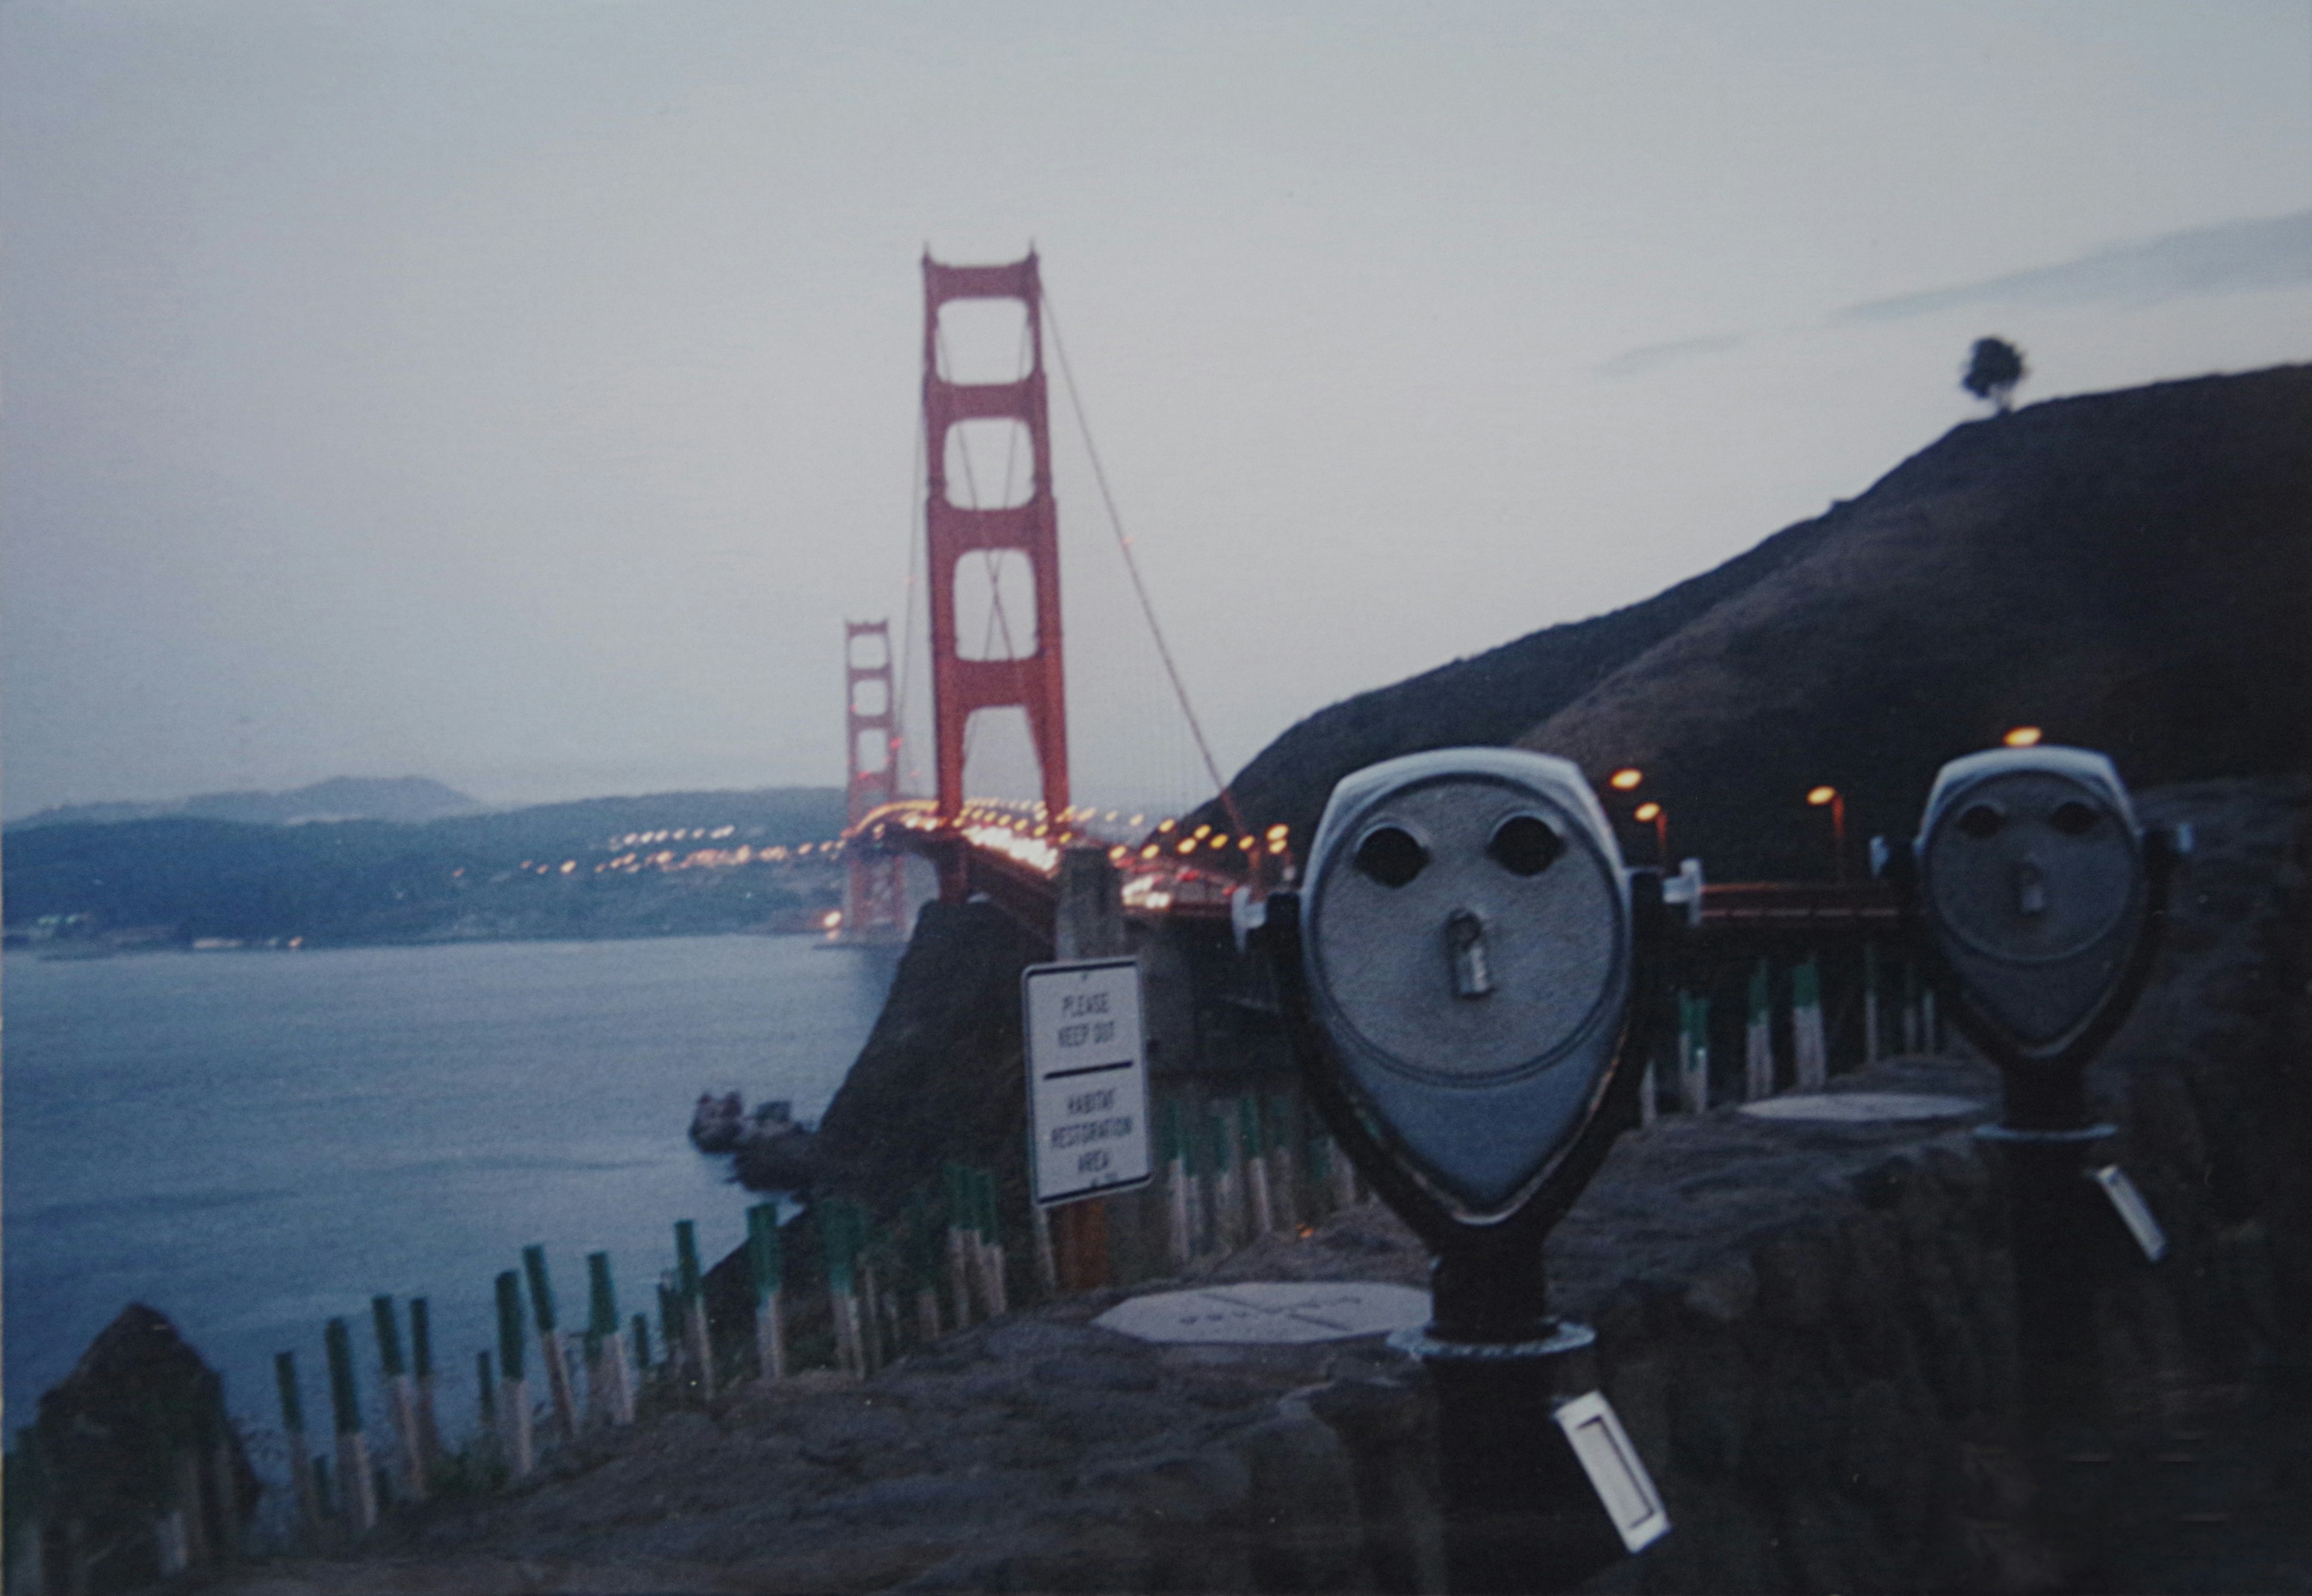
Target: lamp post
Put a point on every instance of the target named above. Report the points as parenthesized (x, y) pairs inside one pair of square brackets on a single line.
[(1837, 801), (1653, 814)]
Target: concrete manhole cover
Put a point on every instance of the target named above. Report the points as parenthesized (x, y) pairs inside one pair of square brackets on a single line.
[(1271, 1312), (1864, 1107)]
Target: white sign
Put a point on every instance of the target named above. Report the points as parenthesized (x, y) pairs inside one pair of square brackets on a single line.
[(2133, 1211), (1616, 1473), (1087, 1078)]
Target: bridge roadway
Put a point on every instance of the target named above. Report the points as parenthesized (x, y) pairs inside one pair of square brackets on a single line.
[(1011, 851)]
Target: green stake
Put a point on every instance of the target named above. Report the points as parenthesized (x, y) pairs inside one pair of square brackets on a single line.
[(541, 1293), (509, 1324), (293, 1400), (388, 1334), (764, 1257), (670, 1316), (642, 1342), (421, 1340), (602, 1297), (489, 1388), (686, 1256), (344, 1397), (321, 1485)]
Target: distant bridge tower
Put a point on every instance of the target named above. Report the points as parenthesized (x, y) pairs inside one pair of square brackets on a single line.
[(874, 897), (961, 686)]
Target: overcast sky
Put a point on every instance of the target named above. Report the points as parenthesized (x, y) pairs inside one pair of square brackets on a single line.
[(522, 392)]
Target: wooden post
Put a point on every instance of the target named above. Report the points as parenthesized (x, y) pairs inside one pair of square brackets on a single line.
[(768, 1264), (1283, 1176), (1810, 1046), (1870, 1001), (991, 1232), (958, 1252), (1930, 1035), (608, 1377), (1255, 1162), (488, 1442), (1910, 1007), (692, 1288), (871, 1316), (400, 1397), (1693, 1052), (171, 1546), (1048, 1259), (513, 1391), (356, 1493), (1758, 1040), (217, 1465), (837, 1240), (421, 1363), (1228, 1199), (1178, 1247), (187, 1525), (550, 1349), (1344, 1173), (300, 1456), (642, 1348), (1647, 1107)]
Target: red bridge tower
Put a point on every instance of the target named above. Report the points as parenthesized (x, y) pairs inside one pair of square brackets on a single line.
[(874, 897), (962, 687)]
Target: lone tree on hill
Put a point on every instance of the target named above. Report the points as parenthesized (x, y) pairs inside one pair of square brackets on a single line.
[(1993, 370)]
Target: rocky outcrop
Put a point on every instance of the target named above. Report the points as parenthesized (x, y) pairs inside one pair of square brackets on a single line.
[(133, 1469)]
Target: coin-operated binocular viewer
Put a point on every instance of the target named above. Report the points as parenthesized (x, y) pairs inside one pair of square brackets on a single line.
[(2034, 902), (1465, 977)]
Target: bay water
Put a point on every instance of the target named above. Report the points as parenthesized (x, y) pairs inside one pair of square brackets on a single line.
[(254, 1143)]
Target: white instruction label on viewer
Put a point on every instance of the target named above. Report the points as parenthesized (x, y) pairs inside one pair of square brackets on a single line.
[(1616, 1473), (1087, 1078), (2133, 1211)]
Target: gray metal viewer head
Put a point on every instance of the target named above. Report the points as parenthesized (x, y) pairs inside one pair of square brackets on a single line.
[(2035, 898), (1466, 929)]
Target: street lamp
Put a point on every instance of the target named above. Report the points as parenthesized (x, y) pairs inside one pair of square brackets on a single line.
[(1651, 814), (1836, 800)]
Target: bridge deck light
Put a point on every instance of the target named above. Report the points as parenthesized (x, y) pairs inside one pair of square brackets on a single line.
[(1626, 779), (2022, 737), (1821, 795)]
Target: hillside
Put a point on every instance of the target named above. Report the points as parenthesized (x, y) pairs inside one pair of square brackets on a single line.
[(2131, 571), (674, 862), (413, 799)]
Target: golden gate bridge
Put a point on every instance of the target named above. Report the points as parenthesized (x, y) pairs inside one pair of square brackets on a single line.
[(1011, 850)]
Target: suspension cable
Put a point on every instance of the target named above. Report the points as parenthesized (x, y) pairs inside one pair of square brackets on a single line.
[(1139, 588), (907, 609)]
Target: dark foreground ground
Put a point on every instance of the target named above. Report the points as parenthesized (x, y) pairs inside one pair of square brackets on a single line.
[(1038, 1452)]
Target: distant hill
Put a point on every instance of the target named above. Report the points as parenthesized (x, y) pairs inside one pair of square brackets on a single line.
[(642, 866), (2131, 571), (410, 799)]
